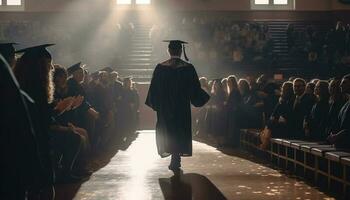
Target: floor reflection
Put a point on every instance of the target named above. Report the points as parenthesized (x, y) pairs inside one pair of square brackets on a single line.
[(136, 172), (189, 187)]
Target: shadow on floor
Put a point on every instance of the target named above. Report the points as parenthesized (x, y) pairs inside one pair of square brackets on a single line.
[(190, 187), (100, 160)]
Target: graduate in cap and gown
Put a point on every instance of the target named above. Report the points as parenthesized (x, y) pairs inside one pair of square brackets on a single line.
[(20, 162), (34, 71), (75, 88), (174, 87)]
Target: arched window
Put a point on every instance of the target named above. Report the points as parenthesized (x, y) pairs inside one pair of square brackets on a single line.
[(272, 4)]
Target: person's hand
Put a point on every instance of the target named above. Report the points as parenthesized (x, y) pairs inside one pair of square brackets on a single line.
[(93, 113), (282, 120), (64, 104), (78, 100), (259, 104), (332, 138)]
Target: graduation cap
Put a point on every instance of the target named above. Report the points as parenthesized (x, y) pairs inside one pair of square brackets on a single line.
[(107, 69), (177, 45), (36, 51), (74, 68)]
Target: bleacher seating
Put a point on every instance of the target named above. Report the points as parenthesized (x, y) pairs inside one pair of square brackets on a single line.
[(323, 165)]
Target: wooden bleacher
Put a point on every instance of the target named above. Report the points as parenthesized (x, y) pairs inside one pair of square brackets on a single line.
[(323, 165)]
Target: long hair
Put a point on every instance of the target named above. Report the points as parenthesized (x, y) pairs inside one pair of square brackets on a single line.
[(34, 75)]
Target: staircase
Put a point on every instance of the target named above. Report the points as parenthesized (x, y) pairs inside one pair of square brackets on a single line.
[(139, 63)]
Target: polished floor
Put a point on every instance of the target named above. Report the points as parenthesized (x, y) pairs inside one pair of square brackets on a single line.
[(138, 173)]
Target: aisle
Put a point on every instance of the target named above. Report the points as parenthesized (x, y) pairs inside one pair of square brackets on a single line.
[(138, 173)]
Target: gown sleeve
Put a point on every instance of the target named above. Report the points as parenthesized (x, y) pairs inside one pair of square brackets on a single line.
[(198, 96), (153, 91)]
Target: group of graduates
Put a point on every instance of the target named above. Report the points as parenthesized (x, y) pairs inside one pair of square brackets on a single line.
[(56, 120), (316, 111)]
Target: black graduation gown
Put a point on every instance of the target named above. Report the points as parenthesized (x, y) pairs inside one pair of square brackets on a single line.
[(301, 110), (234, 103), (332, 117), (75, 89), (19, 161), (281, 130), (343, 140), (317, 120), (174, 87)]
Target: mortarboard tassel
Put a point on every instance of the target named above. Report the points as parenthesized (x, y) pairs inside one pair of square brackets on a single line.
[(185, 55)]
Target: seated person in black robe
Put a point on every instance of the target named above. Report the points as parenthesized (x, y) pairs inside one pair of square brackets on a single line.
[(233, 105), (341, 138), (85, 112), (68, 141), (174, 87), (301, 108), (336, 102), (315, 123), (33, 71), (251, 110), (280, 121)]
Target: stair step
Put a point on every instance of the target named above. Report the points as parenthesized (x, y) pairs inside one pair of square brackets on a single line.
[(142, 48), (140, 59), (140, 55), (135, 65), (141, 52)]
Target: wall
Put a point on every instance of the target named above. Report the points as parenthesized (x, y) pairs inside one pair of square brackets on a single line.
[(184, 5), (336, 5)]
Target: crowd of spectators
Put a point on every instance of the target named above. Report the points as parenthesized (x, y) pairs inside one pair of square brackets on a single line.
[(69, 116), (294, 109), (319, 46), (218, 39)]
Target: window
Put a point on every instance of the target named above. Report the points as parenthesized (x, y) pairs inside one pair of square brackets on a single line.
[(123, 2), (143, 2), (261, 2), (14, 2), (133, 2), (12, 5), (272, 4), (280, 2)]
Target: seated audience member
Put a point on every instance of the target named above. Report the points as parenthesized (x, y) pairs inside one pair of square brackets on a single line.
[(75, 88), (129, 107), (310, 90), (103, 102), (336, 102), (301, 108), (280, 123), (68, 141), (33, 71), (216, 112), (225, 87), (201, 124), (341, 137), (315, 123), (269, 100), (251, 112), (234, 102)]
